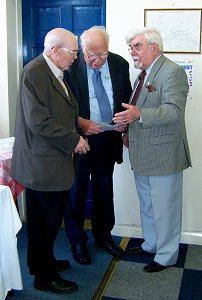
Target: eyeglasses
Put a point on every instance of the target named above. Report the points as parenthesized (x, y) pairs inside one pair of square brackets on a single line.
[(92, 57), (138, 47), (72, 52)]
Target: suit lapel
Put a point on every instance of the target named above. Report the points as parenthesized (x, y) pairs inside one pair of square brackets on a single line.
[(115, 86), (150, 79), (61, 90), (54, 80), (80, 73)]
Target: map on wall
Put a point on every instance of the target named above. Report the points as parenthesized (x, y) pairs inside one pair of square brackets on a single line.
[(180, 28)]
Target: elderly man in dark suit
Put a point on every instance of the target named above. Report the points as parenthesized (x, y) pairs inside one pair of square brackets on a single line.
[(105, 146), (158, 146), (45, 142)]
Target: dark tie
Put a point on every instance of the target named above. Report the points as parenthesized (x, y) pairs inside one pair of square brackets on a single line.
[(139, 87), (102, 98)]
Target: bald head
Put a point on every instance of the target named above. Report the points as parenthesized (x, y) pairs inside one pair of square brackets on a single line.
[(61, 47), (58, 37), (95, 37)]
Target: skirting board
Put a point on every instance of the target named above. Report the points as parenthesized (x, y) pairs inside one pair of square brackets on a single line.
[(132, 231)]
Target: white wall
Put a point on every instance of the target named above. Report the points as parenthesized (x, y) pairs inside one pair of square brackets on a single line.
[(10, 62), (4, 115), (120, 19)]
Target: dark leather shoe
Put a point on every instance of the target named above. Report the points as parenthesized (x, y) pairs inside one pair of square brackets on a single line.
[(154, 267), (110, 248), (10, 293), (62, 265), (137, 251), (81, 254), (59, 286)]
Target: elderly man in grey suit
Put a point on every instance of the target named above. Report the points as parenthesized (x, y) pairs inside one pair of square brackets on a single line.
[(158, 146), (45, 142)]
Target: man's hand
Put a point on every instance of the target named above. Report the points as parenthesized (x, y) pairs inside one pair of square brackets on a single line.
[(128, 116), (121, 128), (82, 146), (88, 127)]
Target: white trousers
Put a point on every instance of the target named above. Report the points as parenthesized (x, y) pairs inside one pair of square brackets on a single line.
[(161, 215)]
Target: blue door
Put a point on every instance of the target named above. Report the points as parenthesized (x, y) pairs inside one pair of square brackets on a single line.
[(40, 16)]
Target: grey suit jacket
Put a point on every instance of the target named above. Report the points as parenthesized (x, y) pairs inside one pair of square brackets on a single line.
[(158, 145), (45, 135)]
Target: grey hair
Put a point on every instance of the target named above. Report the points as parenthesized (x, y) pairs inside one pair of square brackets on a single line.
[(152, 35), (55, 37), (93, 29)]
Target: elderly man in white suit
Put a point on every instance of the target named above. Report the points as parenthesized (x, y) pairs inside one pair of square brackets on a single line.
[(158, 146)]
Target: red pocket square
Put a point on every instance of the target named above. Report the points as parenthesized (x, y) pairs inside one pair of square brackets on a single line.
[(150, 87)]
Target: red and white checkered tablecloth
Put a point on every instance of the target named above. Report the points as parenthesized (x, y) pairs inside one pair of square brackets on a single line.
[(5, 178)]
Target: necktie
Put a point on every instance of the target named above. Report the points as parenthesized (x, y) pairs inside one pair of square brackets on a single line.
[(102, 98), (138, 89), (61, 80)]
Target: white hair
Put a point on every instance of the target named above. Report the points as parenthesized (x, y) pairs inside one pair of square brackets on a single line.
[(56, 37), (152, 35), (93, 29)]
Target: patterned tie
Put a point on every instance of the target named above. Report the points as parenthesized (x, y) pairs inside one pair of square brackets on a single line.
[(102, 98), (138, 89)]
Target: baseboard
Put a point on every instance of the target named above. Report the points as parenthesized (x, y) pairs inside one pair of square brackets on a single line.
[(136, 232)]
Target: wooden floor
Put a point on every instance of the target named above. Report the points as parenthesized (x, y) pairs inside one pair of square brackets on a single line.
[(87, 224)]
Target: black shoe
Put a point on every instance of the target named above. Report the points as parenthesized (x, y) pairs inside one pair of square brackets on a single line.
[(137, 251), (10, 293), (62, 265), (110, 248), (154, 267), (81, 254), (59, 286)]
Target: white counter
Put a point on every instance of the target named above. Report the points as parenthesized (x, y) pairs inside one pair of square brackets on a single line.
[(10, 224)]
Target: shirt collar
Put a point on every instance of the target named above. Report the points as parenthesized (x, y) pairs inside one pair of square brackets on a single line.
[(102, 69), (148, 70), (56, 71)]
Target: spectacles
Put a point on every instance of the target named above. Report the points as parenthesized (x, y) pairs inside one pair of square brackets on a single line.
[(92, 57), (72, 52), (137, 48)]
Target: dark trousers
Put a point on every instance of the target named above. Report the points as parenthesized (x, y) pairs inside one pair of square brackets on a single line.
[(98, 165), (74, 231), (45, 211)]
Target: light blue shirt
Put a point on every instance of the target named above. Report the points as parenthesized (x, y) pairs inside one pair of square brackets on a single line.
[(106, 80), (148, 70)]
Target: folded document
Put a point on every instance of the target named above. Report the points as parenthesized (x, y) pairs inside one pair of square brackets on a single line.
[(107, 127)]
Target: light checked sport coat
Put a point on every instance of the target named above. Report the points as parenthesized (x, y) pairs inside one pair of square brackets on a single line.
[(158, 145)]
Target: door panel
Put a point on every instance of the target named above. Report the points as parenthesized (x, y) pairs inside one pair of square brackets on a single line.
[(86, 16), (40, 16)]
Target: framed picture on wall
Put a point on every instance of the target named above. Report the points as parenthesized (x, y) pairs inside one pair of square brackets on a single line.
[(180, 28)]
